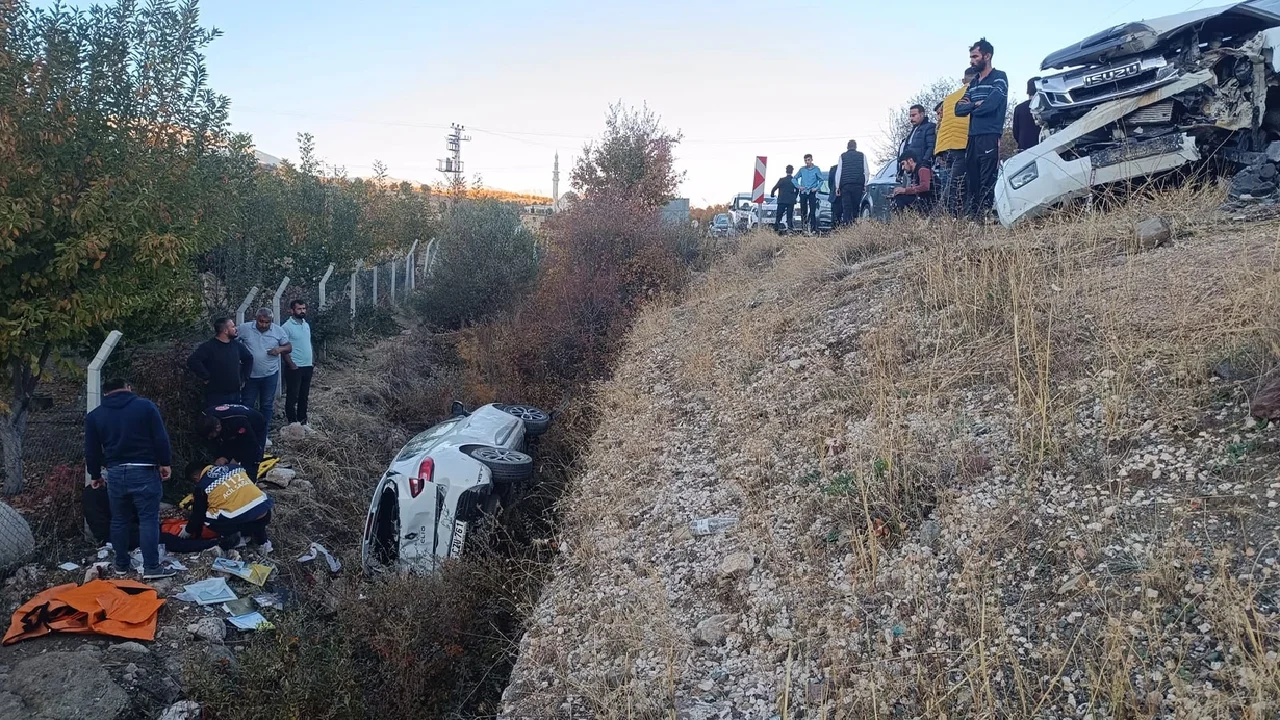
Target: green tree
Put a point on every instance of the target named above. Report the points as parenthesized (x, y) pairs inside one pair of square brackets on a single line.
[(115, 164), (487, 260), (634, 158)]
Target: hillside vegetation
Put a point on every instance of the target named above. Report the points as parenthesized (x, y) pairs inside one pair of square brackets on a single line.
[(979, 474)]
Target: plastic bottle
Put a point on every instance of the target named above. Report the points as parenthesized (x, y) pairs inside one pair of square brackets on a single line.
[(712, 525)]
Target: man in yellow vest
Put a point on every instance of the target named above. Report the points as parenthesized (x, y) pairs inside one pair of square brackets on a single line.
[(230, 504), (949, 152)]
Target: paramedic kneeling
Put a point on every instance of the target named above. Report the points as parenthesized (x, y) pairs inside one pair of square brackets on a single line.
[(230, 503)]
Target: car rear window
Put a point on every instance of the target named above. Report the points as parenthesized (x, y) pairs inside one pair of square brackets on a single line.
[(426, 439)]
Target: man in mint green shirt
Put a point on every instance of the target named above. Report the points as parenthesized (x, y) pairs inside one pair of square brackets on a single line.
[(298, 364), (809, 182)]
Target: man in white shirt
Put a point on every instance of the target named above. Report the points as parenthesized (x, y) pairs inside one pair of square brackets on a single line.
[(266, 341)]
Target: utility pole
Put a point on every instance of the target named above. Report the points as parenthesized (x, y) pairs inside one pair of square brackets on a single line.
[(451, 166), (555, 185)]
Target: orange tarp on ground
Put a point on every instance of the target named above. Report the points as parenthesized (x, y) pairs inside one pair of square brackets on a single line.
[(119, 608)]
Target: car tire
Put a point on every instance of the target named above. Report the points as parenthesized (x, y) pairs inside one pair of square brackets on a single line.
[(535, 421), (506, 465)]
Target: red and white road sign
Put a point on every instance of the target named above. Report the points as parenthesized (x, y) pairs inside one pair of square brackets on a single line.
[(757, 187)]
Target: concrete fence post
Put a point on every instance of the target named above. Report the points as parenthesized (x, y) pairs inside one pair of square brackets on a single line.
[(244, 306), (393, 281), (431, 257), (93, 379), (410, 282), (323, 282), (374, 268), (275, 303), (355, 274)]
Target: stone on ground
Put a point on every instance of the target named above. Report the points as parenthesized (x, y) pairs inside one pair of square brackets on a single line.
[(62, 686)]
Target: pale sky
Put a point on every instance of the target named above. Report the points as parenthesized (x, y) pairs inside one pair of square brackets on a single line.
[(383, 79)]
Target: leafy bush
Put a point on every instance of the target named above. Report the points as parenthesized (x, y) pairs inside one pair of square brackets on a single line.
[(486, 261)]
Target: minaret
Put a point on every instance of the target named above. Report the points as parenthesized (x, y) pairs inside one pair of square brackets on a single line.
[(555, 184)]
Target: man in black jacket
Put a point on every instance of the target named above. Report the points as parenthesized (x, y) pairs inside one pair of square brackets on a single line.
[(922, 139), (785, 191), (222, 363), (851, 182), (235, 433), (126, 435), (1025, 130)]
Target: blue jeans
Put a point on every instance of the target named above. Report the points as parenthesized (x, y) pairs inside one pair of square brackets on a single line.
[(260, 394), (137, 489)]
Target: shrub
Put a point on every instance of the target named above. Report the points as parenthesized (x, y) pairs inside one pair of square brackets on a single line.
[(487, 260)]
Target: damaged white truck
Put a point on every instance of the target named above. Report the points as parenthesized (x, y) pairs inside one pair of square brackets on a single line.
[(1141, 100)]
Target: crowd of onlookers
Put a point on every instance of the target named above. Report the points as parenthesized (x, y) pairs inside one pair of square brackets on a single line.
[(127, 450), (945, 166)]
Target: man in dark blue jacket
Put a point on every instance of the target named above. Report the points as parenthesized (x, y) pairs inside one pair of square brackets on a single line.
[(235, 433), (851, 183), (986, 103), (126, 435), (922, 138), (786, 192)]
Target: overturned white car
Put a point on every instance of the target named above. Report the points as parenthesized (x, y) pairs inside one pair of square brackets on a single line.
[(444, 481), (1141, 99)]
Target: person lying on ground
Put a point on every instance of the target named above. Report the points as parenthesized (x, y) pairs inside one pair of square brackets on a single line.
[(235, 433), (228, 502)]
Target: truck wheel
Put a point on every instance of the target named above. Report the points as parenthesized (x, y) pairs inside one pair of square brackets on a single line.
[(507, 466), (535, 420)]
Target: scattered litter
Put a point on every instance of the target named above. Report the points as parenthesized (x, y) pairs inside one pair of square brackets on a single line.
[(269, 600), (104, 551), (712, 525), (252, 621), (317, 548), (166, 560), (238, 607), (68, 566), (255, 573), (207, 592), (184, 710)]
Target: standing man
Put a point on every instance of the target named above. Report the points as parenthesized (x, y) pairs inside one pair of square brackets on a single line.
[(809, 182), (126, 435), (297, 364), (221, 363), (985, 103), (1025, 130), (923, 136), (851, 182), (953, 138), (785, 191), (235, 433), (267, 341)]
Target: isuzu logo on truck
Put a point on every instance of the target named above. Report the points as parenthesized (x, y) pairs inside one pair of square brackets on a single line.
[(1112, 74)]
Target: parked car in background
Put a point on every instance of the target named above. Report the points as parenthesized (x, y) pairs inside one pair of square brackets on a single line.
[(743, 213), (877, 203), (1144, 98), (444, 482), (720, 225)]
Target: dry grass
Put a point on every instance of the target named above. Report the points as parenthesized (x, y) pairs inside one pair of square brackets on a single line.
[(834, 392)]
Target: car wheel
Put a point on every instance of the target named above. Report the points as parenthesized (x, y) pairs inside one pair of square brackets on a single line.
[(866, 211), (505, 464), (535, 420)]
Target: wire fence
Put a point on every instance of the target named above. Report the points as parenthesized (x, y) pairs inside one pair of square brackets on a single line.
[(154, 361)]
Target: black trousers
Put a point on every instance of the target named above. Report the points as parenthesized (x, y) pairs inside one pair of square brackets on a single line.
[(850, 203), (982, 162), (297, 392), (785, 210), (230, 530), (953, 184), (922, 204), (809, 210)]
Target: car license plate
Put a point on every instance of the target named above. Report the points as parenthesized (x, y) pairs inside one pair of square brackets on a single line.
[(459, 539), (1112, 74)]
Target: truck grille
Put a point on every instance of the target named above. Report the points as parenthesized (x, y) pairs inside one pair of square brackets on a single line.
[(1113, 89), (1158, 114)]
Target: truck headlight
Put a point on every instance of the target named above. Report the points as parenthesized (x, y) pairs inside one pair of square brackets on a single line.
[(1024, 176)]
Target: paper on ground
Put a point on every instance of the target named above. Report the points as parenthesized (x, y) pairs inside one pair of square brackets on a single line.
[(207, 592), (317, 548)]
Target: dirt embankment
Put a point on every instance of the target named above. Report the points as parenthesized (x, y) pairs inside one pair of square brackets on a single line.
[(977, 474)]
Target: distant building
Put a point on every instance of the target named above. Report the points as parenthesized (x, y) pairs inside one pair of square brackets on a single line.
[(533, 216)]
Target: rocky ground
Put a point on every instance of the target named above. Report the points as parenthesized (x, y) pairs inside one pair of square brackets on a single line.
[(974, 475)]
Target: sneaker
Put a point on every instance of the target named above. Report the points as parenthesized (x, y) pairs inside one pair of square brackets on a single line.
[(158, 573), (118, 572)]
